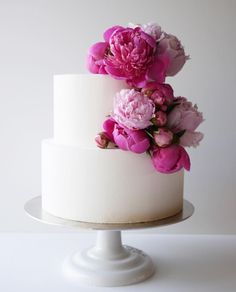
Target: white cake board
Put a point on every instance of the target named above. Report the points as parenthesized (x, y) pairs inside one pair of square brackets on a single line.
[(108, 262)]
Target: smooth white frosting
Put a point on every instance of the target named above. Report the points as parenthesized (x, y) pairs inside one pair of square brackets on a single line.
[(111, 186)]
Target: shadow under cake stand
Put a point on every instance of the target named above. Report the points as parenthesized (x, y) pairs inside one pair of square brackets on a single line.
[(108, 262)]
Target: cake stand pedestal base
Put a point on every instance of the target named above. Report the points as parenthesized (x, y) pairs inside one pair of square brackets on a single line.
[(108, 263)]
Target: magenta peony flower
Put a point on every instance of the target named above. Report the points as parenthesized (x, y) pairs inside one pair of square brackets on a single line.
[(135, 141), (129, 54), (163, 137), (189, 139), (170, 159), (184, 116), (132, 109), (171, 46)]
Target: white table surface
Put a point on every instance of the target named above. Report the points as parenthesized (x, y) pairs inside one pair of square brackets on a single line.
[(32, 262)]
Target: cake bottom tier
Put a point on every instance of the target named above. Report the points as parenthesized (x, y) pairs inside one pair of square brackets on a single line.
[(106, 186)]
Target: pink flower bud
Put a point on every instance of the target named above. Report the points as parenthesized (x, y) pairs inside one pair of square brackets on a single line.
[(160, 119), (102, 140), (163, 137), (161, 94)]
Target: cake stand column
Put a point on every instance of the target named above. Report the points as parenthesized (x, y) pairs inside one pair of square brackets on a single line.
[(109, 246), (108, 263)]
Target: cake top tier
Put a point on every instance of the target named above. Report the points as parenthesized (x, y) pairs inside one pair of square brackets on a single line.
[(81, 101)]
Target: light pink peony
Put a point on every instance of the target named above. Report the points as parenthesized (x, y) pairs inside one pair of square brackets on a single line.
[(135, 141), (184, 116), (161, 94), (171, 46), (132, 109), (170, 159), (163, 137), (189, 139)]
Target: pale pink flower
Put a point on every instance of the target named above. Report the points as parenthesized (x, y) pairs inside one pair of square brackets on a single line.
[(189, 139), (163, 137), (184, 116), (171, 46), (132, 109)]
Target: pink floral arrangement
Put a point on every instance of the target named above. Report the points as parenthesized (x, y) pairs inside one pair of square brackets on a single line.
[(147, 117)]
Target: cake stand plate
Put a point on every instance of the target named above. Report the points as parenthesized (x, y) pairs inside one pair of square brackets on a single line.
[(108, 262)]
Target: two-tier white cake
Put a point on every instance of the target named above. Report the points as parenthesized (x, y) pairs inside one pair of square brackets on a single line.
[(83, 182)]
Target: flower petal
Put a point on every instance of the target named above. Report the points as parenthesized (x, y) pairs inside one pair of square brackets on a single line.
[(98, 50), (157, 72), (107, 34)]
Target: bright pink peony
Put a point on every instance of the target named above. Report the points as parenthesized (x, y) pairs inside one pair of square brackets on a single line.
[(132, 109), (189, 139), (184, 116), (170, 159), (129, 54), (171, 46), (163, 137), (125, 139)]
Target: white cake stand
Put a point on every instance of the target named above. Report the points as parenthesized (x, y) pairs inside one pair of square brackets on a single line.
[(108, 262)]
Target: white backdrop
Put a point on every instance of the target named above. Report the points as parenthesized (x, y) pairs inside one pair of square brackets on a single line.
[(44, 37)]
